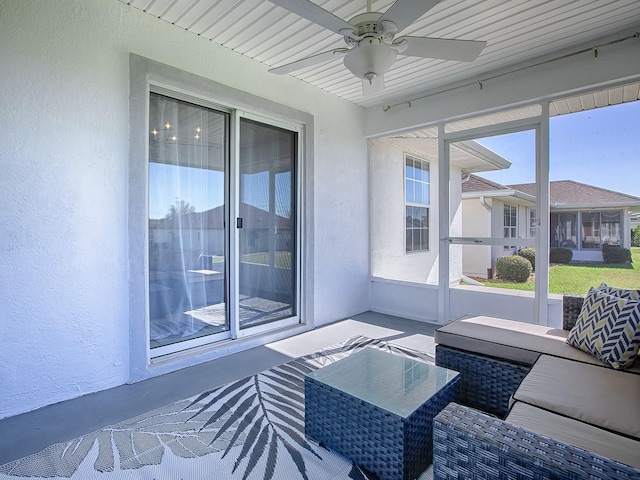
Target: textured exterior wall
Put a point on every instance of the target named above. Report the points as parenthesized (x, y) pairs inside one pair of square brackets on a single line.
[(63, 209), (388, 249), (389, 259)]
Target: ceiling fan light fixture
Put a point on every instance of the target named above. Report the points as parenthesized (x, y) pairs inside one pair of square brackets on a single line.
[(369, 60)]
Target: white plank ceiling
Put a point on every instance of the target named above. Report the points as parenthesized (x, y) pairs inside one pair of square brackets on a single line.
[(516, 31)]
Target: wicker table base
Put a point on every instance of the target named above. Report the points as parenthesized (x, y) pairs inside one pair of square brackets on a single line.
[(394, 447)]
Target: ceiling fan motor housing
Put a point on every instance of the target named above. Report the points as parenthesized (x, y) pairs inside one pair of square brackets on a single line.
[(368, 25)]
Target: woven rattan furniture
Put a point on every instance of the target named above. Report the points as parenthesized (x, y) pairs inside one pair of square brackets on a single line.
[(470, 444), (487, 382), (540, 410), (377, 409)]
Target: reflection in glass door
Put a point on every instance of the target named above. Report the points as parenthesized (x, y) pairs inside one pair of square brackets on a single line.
[(188, 155), (267, 276)]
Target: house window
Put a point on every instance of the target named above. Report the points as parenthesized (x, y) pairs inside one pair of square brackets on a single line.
[(510, 222), (417, 196), (532, 223)]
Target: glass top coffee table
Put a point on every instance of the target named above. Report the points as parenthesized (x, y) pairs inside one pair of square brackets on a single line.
[(377, 409)]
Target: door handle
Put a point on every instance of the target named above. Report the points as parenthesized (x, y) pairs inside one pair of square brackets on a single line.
[(239, 222)]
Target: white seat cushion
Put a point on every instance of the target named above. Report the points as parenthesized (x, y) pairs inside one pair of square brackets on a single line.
[(570, 431)]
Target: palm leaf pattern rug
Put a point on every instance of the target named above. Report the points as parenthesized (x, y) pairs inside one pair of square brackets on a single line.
[(249, 429)]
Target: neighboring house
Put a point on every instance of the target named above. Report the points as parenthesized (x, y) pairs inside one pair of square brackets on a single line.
[(582, 218)]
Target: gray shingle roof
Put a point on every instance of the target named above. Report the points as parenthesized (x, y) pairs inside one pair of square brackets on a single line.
[(575, 193), (479, 184), (567, 192)]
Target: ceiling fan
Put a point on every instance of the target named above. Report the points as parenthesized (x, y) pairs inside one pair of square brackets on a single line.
[(371, 44)]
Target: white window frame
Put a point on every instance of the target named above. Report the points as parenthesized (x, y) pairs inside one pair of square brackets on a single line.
[(533, 222), (512, 229), (426, 206)]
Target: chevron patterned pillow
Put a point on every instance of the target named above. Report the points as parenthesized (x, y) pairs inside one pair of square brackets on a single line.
[(608, 328), (620, 292)]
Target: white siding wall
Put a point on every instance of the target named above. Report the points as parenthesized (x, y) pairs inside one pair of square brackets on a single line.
[(63, 208)]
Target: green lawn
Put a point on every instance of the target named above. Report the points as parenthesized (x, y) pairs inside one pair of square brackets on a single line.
[(577, 278), (283, 259)]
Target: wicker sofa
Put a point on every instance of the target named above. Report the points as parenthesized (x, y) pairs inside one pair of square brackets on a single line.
[(532, 406)]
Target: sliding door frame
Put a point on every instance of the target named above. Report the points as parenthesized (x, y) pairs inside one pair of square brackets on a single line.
[(144, 75), (234, 300)]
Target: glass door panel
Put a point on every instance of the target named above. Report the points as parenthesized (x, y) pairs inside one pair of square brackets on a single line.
[(188, 155), (267, 275)]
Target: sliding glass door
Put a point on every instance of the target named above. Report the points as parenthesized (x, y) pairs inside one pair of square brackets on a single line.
[(267, 224), (223, 229)]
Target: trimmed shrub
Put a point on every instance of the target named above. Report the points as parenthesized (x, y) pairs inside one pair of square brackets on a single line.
[(635, 237), (615, 254), (513, 268), (529, 254), (560, 255)]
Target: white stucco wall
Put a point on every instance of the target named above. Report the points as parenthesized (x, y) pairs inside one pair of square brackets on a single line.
[(405, 284), (63, 209), (389, 258)]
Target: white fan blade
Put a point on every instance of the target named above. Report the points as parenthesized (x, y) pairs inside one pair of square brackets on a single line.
[(404, 12), (442, 48), (375, 86), (309, 61), (315, 14)]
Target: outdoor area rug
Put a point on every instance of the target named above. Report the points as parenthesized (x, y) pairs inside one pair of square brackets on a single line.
[(249, 429)]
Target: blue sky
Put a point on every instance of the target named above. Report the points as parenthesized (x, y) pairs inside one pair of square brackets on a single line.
[(599, 147)]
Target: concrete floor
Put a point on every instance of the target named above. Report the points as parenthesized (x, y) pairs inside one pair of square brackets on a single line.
[(31, 432)]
